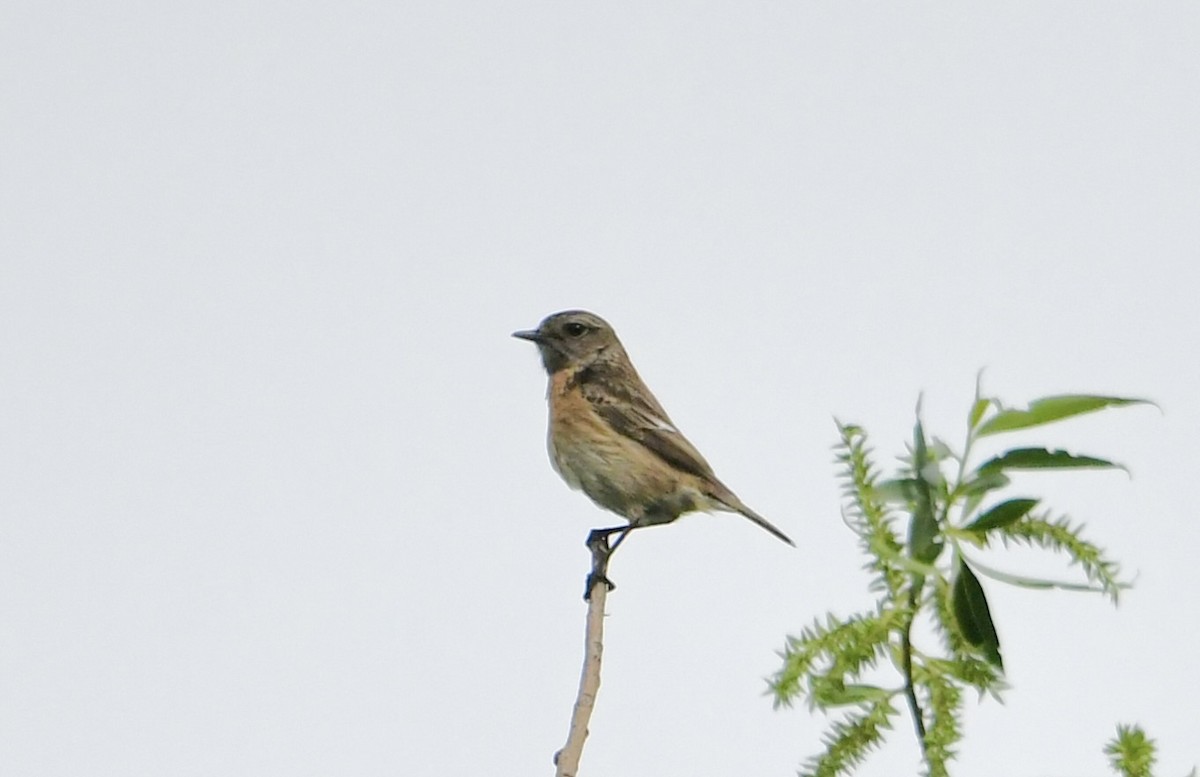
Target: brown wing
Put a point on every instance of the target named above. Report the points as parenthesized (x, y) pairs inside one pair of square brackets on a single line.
[(629, 408), (625, 404)]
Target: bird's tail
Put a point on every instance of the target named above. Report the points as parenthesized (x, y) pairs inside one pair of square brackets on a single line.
[(731, 502), (763, 522)]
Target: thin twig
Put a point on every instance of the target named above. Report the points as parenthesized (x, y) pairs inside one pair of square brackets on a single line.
[(910, 692), (567, 760)]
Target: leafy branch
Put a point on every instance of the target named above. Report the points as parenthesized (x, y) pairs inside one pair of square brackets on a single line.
[(951, 508)]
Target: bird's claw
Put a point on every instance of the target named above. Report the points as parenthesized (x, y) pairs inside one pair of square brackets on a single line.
[(594, 579)]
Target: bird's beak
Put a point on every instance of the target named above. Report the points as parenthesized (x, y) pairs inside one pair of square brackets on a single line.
[(531, 335)]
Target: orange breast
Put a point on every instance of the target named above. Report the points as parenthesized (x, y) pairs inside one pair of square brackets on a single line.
[(617, 472)]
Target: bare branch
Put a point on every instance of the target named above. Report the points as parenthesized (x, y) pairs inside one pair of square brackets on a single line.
[(567, 760)]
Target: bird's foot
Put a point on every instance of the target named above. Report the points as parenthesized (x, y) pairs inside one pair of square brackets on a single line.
[(594, 579), (597, 543)]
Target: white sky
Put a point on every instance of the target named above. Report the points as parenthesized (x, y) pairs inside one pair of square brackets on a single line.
[(275, 496)]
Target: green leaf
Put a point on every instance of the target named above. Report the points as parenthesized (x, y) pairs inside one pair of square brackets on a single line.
[(1041, 458), (973, 615), (1042, 583), (977, 410), (983, 482), (1050, 409), (1002, 515), (924, 540), (898, 491), (941, 450), (978, 486), (842, 695)]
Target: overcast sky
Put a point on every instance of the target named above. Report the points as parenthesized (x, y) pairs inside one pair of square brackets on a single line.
[(275, 498)]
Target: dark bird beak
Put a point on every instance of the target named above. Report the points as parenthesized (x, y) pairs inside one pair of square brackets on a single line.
[(531, 335)]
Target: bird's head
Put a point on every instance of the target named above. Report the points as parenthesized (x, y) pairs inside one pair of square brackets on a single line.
[(572, 338)]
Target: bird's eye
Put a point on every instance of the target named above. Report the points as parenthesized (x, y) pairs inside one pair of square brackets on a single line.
[(575, 329)]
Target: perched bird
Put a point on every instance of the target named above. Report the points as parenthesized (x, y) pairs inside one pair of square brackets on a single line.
[(610, 438)]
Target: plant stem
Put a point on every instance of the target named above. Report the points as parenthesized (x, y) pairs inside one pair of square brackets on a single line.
[(910, 692)]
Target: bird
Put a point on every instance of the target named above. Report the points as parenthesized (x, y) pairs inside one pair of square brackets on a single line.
[(611, 439)]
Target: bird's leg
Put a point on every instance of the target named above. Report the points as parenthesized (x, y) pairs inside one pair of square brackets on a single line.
[(602, 551), (597, 543), (645, 518), (624, 532)]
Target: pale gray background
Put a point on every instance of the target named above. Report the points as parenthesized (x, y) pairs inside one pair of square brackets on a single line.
[(274, 496)]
